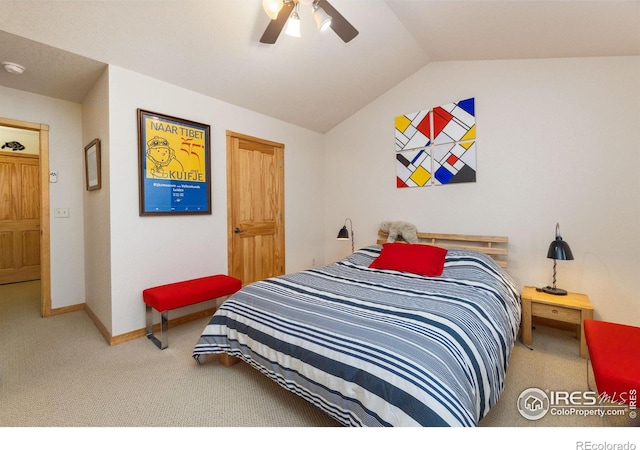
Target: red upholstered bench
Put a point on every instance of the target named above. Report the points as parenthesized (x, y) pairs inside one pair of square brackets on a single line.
[(614, 351), (183, 293)]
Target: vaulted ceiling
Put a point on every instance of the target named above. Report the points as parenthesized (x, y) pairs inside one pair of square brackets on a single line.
[(315, 81)]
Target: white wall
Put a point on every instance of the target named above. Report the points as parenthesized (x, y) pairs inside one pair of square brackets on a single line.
[(147, 251), (65, 155), (556, 142), (97, 206)]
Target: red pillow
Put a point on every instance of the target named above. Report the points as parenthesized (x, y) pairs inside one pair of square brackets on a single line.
[(421, 259)]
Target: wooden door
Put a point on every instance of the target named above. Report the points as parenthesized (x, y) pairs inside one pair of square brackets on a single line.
[(19, 218), (255, 203), (45, 235)]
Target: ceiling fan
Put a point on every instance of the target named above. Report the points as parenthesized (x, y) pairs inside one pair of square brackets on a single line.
[(281, 11)]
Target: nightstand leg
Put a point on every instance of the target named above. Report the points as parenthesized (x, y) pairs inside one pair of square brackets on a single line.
[(526, 321), (585, 314)]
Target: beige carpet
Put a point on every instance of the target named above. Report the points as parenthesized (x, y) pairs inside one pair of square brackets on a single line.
[(59, 372)]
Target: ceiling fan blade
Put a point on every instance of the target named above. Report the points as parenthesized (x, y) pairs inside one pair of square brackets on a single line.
[(274, 28), (339, 24)]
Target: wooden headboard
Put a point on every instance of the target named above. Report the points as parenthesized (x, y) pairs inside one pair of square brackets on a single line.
[(494, 246)]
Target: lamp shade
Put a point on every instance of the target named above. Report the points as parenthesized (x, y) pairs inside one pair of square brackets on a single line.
[(323, 20), (293, 25), (559, 249), (343, 233), (272, 7)]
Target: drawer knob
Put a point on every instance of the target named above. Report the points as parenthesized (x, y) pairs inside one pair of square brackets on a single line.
[(554, 311)]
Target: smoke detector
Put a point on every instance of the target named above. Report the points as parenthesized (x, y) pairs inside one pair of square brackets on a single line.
[(13, 68)]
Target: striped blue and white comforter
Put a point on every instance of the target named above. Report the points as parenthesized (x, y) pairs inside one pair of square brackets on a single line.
[(377, 347)]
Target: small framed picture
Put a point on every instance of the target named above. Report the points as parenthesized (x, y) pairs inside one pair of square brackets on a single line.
[(92, 165)]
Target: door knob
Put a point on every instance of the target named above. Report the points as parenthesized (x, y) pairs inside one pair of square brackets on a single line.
[(237, 230)]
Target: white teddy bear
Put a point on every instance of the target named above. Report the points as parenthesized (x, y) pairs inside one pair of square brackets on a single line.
[(404, 230)]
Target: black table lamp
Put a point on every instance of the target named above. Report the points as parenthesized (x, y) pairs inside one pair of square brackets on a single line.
[(558, 250), (343, 234)]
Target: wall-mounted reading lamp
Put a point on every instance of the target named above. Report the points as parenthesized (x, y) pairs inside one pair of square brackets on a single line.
[(343, 234)]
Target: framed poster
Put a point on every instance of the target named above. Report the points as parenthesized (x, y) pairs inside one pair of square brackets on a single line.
[(92, 165), (175, 165)]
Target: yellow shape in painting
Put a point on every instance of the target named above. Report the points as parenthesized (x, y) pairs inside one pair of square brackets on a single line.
[(467, 145), (471, 134), (420, 176), (402, 122)]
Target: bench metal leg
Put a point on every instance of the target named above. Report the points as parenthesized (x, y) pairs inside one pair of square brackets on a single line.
[(163, 342)]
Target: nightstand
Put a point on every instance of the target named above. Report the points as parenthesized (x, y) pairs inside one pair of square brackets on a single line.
[(572, 308)]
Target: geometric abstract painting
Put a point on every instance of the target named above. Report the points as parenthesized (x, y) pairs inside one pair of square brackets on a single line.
[(437, 146), (413, 168), (454, 162), (454, 122), (413, 130)]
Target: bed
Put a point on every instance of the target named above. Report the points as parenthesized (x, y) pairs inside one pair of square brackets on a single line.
[(376, 346)]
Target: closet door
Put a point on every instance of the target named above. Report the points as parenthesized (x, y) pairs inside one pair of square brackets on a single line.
[(255, 209), (19, 218)]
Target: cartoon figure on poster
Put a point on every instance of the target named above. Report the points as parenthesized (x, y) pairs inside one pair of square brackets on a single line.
[(162, 158), (175, 152)]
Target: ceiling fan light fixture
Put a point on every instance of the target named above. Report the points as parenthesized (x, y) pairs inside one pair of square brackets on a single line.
[(325, 15), (293, 25), (323, 20), (272, 7)]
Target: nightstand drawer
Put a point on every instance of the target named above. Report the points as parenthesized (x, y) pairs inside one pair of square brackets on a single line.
[(555, 312)]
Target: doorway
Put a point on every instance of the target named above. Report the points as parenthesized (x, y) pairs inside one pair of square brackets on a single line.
[(24, 217), (255, 208)]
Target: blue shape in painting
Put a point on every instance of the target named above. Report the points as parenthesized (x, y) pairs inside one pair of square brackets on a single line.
[(443, 175), (418, 157), (468, 105)]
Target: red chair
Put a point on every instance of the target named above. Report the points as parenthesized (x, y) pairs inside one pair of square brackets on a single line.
[(614, 351)]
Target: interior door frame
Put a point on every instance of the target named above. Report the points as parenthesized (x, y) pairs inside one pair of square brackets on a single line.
[(45, 232)]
